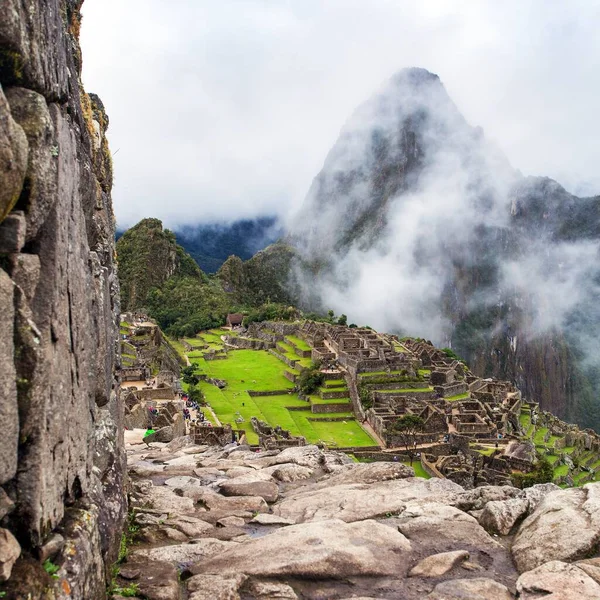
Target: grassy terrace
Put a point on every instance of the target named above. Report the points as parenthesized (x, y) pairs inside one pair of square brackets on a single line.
[(259, 370), (459, 397), (406, 391), (299, 343)]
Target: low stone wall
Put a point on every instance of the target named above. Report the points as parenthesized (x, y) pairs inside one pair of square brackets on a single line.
[(430, 468), (291, 376), (155, 393), (451, 390), (331, 408), (331, 419), (333, 394), (244, 343), (268, 393)]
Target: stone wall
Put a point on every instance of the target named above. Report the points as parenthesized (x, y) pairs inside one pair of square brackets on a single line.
[(61, 449)]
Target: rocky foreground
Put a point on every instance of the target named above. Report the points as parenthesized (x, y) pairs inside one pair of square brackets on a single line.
[(229, 523)]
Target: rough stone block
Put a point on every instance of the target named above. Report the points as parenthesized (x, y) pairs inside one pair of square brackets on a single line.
[(12, 233), (31, 112), (13, 158), (9, 412), (34, 47), (26, 273), (9, 552)]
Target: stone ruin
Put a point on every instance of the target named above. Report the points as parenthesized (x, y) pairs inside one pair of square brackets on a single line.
[(275, 438), (205, 434)]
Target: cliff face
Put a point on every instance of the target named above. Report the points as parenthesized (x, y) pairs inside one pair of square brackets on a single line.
[(417, 224), (61, 448)]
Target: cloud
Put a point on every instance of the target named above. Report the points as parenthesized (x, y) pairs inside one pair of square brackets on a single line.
[(224, 110)]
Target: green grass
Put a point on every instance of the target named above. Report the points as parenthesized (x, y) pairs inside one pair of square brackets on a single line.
[(299, 343), (261, 371), (458, 397), (424, 372), (560, 471), (334, 383), (568, 449), (419, 470), (551, 458), (405, 391), (319, 400), (540, 434)]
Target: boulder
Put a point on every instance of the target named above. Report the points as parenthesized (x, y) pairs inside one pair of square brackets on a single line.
[(368, 473), (269, 590), (13, 159), (501, 516), (190, 526), (477, 498), (216, 502), (179, 443), (478, 588), (181, 481), (215, 587), (10, 550), (355, 502), (437, 565), (231, 522), (184, 553), (324, 550), (269, 519), (557, 580), (289, 472), (265, 489), (565, 526), (162, 498)]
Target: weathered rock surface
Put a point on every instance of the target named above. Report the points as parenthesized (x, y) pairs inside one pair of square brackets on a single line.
[(556, 580), (343, 531), (62, 459), (265, 489), (355, 502), (327, 549), (437, 565), (565, 526), (501, 516), (9, 552), (478, 588)]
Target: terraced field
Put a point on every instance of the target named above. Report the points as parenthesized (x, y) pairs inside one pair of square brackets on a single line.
[(262, 371), (571, 466)]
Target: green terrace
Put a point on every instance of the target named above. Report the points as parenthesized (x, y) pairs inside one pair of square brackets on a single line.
[(549, 446), (298, 342), (261, 371), (406, 391)]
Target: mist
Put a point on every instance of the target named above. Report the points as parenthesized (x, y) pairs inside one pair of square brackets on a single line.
[(417, 220)]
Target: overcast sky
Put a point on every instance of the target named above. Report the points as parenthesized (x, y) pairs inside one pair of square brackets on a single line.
[(222, 109)]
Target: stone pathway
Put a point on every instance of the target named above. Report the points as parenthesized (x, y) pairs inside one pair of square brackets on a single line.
[(230, 523)]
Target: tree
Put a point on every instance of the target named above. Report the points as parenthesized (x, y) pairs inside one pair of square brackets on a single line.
[(343, 320), (310, 380), (408, 427), (189, 376)]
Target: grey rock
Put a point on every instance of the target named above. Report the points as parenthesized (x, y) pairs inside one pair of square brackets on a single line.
[(30, 110), (181, 481), (337, 550), (478, 588), (9, 410), (10, 550), (52, 547), (501, 516), (215, 587), (231, 522), (184, 553), (265, 489), (13, 158), (12, 233), (179, 443), (6, 504), (25, 272), (289, 472), (355, 502), (269, 519), (437, 565), (267, 590), (556, 580), (565, 526), (191, 526)]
